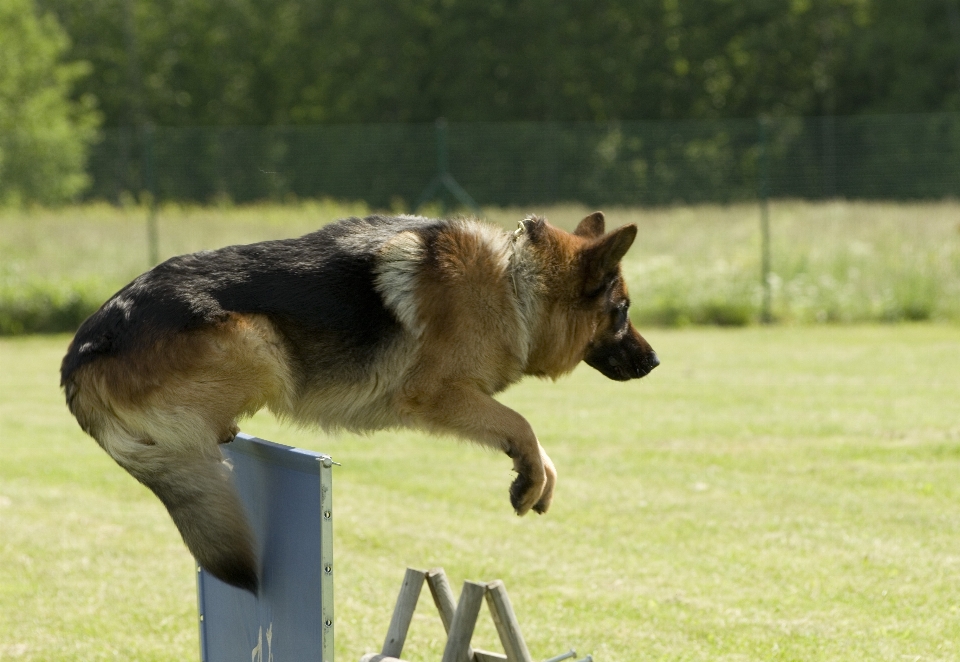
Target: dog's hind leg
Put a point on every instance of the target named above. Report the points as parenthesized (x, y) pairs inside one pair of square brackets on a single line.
[(468, 412), (162, 414), (195, 486)]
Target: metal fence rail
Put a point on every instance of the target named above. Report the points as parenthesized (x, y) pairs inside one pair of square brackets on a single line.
[(906, 157)]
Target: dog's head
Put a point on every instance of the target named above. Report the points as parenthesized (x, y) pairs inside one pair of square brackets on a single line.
[(616, 349), (595, 297)]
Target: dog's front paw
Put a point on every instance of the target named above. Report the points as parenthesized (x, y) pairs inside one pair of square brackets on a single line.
[(527, 488), (524, 493)]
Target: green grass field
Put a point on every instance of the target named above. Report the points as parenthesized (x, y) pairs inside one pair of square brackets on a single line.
[(784, 493), (831, 261)]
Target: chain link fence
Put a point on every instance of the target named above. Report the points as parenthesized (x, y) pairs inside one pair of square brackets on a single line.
[(906, 157)]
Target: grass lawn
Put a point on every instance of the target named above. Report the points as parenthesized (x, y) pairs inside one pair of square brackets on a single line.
[(768, 493)]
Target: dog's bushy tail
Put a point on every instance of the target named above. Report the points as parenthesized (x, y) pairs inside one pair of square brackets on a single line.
[(200, 496), (164, 425)]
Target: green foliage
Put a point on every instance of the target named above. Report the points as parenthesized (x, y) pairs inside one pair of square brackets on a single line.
[(194, 62), (254, 62), (46, 307), (44, 135)]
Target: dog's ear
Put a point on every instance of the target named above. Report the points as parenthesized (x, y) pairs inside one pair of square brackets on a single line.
[(591, 226), (602, 256), (533, 226)]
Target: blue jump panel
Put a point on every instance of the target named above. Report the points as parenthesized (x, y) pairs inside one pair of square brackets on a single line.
[(288, 497)]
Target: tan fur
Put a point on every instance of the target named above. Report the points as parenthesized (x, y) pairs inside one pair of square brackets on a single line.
[(486, 330), (202, 379), (162, 411)]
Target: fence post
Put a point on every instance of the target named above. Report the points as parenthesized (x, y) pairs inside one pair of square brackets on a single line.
[(763, 174), (443, 156), (443, 178), (828, 139), (153, 232)]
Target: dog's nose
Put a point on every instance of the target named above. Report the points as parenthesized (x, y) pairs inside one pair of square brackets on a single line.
[(653, 361), (646, 364)]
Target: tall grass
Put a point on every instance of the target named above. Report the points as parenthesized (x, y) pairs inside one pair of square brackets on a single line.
[(832, 262), (57, 266)]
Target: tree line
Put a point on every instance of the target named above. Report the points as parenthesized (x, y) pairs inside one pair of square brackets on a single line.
[(68, 66), (260, 62)]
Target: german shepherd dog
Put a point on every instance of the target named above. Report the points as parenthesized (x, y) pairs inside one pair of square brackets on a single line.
[(365, 324)]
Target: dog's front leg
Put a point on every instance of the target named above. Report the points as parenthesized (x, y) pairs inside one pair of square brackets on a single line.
[(468, 412)]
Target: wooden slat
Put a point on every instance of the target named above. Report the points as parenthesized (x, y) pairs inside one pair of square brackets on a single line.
[(378, 657), (488, 656), (444, 600), (506, 622), (442, 596), (464, 621), (403, 613)]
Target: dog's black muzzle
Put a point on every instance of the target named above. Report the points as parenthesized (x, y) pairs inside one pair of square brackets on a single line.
[(629, 357)]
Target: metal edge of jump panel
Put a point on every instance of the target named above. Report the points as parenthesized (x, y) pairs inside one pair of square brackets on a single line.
[(203, 640), (289, 457), (326, 556)]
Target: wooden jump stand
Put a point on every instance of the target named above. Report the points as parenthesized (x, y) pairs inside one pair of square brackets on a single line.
[(459, 620)]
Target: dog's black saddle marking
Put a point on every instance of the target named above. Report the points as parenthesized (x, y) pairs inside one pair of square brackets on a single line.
[(318, 288)]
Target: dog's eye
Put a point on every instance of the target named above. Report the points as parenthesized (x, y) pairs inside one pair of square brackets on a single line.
[(620, 314)]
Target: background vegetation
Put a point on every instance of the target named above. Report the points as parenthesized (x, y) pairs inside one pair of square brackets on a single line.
[(832, 262), (278, 62), (279, 68), (44, 135)]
